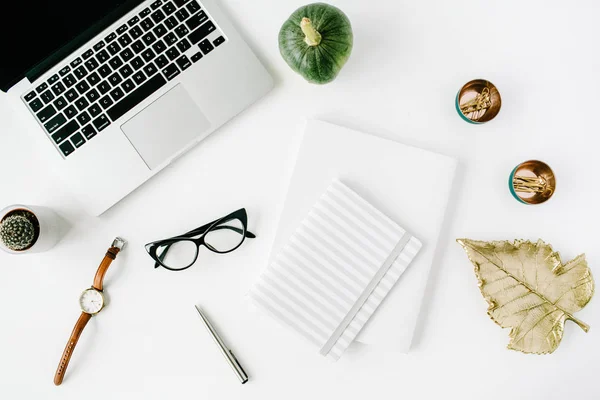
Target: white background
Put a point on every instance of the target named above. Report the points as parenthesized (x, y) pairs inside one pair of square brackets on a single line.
[(409, 60)]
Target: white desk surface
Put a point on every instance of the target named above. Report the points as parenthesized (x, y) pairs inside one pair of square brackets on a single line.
[(409, 60)]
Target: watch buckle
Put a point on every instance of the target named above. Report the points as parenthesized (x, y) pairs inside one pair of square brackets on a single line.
[(119, 243)]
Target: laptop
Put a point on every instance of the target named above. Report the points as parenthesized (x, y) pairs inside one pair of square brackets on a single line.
[(118, 89)]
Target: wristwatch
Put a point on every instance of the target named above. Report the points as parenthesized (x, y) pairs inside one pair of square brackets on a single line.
[(91, 302)]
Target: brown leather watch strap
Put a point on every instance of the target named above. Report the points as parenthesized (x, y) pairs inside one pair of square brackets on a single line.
[(66, 356), (111, 254)]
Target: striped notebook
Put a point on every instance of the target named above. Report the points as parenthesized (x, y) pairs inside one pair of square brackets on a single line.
[(336, 270)]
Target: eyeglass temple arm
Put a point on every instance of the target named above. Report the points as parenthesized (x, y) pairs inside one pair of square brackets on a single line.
[(203, 229), (199, 231)]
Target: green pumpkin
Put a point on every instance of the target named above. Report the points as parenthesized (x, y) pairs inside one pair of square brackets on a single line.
[(316, 42)]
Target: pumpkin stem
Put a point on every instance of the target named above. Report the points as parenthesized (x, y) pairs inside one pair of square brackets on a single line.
[(313, 38)]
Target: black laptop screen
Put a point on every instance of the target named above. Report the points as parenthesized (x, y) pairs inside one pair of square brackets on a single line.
[(32, 31)]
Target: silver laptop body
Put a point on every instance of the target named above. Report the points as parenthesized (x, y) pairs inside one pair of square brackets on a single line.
[(141, 118)]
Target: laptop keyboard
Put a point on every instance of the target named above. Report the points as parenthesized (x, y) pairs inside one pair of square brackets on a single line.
[(119, 72)]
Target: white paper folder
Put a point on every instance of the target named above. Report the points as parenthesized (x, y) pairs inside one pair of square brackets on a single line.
[(348, 186)]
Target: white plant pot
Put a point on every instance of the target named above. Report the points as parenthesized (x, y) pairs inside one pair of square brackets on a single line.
[(49, 228)]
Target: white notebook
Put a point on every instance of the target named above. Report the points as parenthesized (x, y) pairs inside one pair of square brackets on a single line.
[(336, 269), (409, 185)]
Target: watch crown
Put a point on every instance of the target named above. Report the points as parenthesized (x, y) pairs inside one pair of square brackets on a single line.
[(119, 243)]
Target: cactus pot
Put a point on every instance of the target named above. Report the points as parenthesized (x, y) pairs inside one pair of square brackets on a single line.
[(44, 229)]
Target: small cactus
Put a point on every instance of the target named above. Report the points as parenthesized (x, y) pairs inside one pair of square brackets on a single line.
[(17, 232)]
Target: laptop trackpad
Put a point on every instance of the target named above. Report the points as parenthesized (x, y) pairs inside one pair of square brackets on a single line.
[(165, 127)]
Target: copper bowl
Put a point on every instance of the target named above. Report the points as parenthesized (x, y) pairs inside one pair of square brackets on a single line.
[(532, 182), (478, 101)]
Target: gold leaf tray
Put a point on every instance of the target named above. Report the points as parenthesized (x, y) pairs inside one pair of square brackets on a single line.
[(530, 290)]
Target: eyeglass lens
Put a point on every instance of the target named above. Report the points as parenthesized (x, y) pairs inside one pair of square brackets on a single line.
[(178, 255), (226, 236)]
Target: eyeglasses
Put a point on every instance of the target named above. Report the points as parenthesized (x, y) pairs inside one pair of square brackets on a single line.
[(221, 236)]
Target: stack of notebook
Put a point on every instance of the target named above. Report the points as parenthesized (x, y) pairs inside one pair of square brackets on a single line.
[(337, 268)]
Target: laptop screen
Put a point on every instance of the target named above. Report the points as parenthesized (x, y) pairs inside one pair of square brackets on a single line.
[(31, 31)]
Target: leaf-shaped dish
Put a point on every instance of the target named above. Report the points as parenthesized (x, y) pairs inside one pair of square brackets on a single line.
[(529, 290)]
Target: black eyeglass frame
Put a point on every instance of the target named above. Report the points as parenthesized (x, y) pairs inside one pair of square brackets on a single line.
[(241, 214)]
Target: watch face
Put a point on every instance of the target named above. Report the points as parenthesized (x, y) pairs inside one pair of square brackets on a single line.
[(91, 301)]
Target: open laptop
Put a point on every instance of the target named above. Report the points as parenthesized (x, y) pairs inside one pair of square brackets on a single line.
[(121, 88)]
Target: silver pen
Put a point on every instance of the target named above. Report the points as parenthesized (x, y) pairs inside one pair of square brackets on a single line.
[(228, 354)]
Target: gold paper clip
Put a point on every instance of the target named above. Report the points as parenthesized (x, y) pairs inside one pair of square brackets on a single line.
[(478, 105), (527, 184)]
